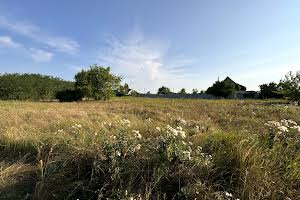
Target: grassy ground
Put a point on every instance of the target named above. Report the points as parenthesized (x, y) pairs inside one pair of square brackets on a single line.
[(135, 148)]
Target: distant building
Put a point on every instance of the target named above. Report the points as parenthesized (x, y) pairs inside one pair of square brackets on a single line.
[(238, 87), (241, 92)]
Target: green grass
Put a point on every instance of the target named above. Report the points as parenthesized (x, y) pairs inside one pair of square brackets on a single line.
[(187, 149)]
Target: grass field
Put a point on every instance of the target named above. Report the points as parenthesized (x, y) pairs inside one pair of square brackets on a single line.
[(136, 148)]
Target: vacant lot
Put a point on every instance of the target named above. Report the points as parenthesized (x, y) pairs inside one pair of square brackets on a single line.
[(135, 148)]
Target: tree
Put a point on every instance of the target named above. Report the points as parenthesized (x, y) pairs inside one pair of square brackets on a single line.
[(123, 90), (222, 89), (97, 82), (290, 86), (163, 90), (195, 91), (182, 91), (270, 90)]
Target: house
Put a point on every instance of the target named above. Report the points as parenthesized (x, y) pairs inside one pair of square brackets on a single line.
[(241, 92), (238, 87)]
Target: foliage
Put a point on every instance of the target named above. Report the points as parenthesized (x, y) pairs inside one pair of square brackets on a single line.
[(195, 91), (270, 90), (290, 86), (182, 91), (163, 90), (97, 82), (31, 86), (69, 95), (222, 89)]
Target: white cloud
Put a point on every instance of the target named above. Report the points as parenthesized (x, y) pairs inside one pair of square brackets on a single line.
[(8, 42), (144, 63), (34, 32), (39, 55)]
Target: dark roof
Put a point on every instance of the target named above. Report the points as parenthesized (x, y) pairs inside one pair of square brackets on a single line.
[(229, 80)]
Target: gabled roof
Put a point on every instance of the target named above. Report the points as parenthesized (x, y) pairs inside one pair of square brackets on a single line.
[(229, 80)]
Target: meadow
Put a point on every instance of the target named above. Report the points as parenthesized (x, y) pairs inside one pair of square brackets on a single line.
[(139, 148)]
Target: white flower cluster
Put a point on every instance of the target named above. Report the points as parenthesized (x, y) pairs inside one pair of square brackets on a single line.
[(125, 122), (176, 131), (137, 134), (284, 126), (76, 126), (181, 121)]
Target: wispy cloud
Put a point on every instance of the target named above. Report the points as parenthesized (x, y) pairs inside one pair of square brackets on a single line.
[(7, 41), (143, 62), (39, 55), (34, 32)]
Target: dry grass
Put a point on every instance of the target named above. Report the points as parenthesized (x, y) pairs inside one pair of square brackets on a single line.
[(50, 150)]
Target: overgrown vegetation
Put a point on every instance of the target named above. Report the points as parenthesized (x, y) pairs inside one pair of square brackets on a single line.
[(133, 148), (31, 86), (97, 82)]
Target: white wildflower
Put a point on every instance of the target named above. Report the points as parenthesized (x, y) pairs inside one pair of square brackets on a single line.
[(283, 129), (137, 134), (187, 155), (158, 129), (196, 128), (149, 119), (137, 147), (118, 153), (228, 194), (125, 122), (182, 134)]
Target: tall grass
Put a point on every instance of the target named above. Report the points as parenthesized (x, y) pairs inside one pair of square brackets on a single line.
[(135, 148)]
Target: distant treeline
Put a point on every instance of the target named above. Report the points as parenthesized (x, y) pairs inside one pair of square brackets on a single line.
[(31, 86)]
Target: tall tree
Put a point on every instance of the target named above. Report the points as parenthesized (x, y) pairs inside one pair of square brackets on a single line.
[(97, 82), (182, 91), (163, 90), (290, 86)]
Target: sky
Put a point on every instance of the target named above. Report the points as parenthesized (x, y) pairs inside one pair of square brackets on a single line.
[(180, 44)]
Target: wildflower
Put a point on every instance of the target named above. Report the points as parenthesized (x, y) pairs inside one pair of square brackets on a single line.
[(297, 128), (179, 128), (182, 134), (125, 122), (196, 128), (118, 153), (113, 137), (172, 130), (96, 133), (137, 147), (137, 134), (181, 121), (187, 155), (158, 129), (149, 119), (228, 194), (283, 129)]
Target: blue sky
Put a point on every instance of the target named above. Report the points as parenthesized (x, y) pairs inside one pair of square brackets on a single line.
[(152, 43)]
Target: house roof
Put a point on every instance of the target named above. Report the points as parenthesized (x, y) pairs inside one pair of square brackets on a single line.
[(227, 79)]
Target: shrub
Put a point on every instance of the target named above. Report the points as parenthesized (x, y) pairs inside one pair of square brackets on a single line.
[(97, 82), (270, 90), (163, 90), (69, 95), (222, 89), (290, 86)]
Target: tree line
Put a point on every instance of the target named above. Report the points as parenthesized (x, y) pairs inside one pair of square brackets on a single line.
[(31, 86), (99, 83)]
